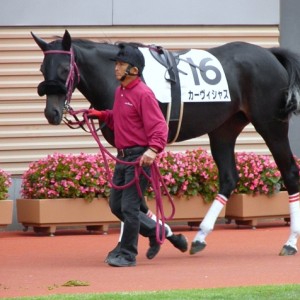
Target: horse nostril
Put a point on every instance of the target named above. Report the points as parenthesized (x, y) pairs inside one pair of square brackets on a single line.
[(53, 116)]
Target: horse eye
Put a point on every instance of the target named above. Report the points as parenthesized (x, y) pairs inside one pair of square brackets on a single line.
[(63, 71)]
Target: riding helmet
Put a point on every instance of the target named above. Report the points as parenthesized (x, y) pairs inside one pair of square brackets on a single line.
[(129, 53)]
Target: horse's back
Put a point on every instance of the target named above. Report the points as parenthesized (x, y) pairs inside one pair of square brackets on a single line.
[(247, 58), (256, 78)]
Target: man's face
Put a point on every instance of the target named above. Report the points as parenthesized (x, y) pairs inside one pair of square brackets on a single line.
[(120, 69)]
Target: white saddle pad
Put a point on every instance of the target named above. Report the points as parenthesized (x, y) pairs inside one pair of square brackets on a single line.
[(202, 78)]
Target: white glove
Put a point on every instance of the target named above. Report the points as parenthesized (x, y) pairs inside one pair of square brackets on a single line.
[(148, 158)]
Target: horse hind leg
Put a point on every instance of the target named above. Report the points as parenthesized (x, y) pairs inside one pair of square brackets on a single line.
[(290, 247), (278, 143)]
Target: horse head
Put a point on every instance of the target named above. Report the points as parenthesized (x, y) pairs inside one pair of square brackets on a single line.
[(60, 76)]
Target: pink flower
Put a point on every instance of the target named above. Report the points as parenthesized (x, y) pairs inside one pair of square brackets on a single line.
[(192, 172), (5, 182), (66, 175)]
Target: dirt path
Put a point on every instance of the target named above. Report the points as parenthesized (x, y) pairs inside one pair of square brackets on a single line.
[(33, 265)]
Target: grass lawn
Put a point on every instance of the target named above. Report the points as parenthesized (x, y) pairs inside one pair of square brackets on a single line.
[(279, 292)]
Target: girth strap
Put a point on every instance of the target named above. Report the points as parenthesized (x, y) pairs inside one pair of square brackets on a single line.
[(175, 109)]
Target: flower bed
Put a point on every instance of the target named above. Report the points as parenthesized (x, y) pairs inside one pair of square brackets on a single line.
[(258, 175), (5, 182), (194, 172), (188, 173), (66, 176), (6, 206), (57, 190)]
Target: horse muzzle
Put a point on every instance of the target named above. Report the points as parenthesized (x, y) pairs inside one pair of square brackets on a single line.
[(54, 108)]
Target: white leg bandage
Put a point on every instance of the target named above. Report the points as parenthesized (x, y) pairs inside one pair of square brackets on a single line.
[(210, 218), (294, 205)]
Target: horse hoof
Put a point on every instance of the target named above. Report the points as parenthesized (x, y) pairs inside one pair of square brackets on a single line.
[(197, 247), (287, 251)]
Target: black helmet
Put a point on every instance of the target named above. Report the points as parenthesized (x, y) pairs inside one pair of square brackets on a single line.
[(129, 53)]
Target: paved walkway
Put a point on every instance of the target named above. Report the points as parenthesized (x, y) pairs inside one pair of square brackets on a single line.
[(32, 265)]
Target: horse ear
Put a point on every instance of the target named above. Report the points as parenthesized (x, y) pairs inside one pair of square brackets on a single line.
[(41, 43), (66, 41)]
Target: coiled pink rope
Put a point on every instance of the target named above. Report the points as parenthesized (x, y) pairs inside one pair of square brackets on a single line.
[(156, 180)]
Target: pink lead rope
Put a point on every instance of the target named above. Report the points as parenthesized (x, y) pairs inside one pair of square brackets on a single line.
[(156, 180)]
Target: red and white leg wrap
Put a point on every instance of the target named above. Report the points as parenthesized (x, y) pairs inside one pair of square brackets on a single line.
[(294, 204), (210, 218)]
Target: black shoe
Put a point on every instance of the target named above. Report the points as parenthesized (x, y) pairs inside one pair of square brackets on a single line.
[(121, 261), (113, 253), (154, 248), (179, 241), (197, 247)]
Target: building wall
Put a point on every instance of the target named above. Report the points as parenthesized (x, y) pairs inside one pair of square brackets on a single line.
[(290, 38), (138, 12)]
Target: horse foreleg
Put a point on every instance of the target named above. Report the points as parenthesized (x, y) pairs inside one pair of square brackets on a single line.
[(208, 224), (290, 247), (222, 143)]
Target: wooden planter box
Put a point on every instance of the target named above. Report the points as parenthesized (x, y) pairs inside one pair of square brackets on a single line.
[(44, 215), (247, 209), (6, 212), (191, 210)]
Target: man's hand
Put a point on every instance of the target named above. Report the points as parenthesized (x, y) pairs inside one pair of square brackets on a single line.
[(148, 158), (96, 114)]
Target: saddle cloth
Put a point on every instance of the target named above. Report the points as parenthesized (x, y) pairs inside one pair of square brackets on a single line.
[(201, 76)]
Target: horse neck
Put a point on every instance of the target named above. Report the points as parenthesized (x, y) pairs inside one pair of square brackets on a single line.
[(97, 79)]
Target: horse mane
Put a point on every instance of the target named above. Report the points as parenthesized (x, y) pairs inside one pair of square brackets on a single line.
[(134, 44), (88, 43), (91, 44)]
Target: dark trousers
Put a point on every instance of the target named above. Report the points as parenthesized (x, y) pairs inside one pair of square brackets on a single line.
[(126, 203)]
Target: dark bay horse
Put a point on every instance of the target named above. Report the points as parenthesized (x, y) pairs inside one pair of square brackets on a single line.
[(264, 86)]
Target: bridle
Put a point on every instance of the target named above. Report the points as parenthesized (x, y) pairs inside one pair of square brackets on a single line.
[(74, 71), (70, 87)]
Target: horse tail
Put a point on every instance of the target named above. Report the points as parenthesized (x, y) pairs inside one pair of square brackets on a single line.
[(291, 62)]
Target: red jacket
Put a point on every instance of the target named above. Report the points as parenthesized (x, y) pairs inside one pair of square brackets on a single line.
[(136, 118)]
